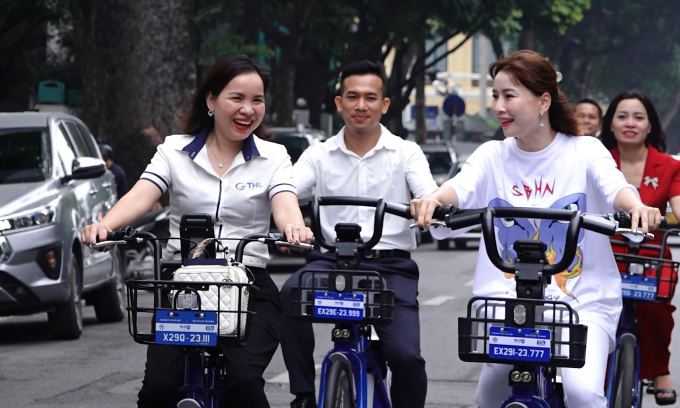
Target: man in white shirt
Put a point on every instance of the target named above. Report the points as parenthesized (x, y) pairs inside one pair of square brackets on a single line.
[(365, 160)]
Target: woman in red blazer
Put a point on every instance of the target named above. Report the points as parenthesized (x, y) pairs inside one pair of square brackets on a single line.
[(631, 130)]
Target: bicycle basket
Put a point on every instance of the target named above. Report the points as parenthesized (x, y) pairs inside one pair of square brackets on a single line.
[(646, 278), (342, 296), (186, 320), (549, 335)]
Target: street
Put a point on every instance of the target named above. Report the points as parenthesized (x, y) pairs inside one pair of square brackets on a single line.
[(104, 368)]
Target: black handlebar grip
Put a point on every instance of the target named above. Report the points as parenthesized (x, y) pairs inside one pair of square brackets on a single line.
[(119, 234), (440, 213)]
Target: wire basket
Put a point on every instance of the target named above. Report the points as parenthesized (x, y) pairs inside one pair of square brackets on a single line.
[(537, 332), (646, 278), (148, 322), (342, 296)]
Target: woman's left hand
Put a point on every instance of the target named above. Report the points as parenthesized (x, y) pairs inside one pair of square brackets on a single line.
[(296, 234)]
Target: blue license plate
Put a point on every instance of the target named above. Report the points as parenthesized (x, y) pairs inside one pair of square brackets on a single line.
[(333, 305), (638, 287), (512, 343), (186, 328)]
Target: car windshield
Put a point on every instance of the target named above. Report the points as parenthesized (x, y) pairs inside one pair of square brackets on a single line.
[(295, 145), (24, 155), (440, 162)]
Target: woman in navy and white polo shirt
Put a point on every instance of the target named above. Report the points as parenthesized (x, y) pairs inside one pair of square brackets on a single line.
[(222, 167)]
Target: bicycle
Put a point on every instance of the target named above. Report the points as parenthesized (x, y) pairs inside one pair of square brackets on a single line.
[(538, 336), (643, 279), (353, 373), (177, 316)]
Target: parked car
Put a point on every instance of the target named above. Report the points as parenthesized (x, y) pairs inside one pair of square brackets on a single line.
[(441, 158), (296, 140), (53, 182)]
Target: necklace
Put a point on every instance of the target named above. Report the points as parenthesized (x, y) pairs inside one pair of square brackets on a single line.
[(220, 163)]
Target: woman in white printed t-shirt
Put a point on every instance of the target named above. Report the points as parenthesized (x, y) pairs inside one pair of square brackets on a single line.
[(541, 164)]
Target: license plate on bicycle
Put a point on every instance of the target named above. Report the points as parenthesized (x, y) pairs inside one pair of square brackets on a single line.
[(512, 343), (333, 305), (186, 328), (638, 287)]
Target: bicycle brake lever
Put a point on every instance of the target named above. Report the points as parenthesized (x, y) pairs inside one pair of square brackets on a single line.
[(647, 235), (104, 244), (435, 223)]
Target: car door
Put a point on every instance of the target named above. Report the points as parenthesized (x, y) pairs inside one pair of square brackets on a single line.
[(95, 198)]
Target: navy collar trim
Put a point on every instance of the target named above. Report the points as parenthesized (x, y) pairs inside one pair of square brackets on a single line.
[(249, 148)]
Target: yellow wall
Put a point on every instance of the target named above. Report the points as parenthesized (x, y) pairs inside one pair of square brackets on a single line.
[(460, 62)]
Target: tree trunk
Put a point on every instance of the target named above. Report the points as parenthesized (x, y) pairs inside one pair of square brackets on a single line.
[(672, 110), (138, 63)]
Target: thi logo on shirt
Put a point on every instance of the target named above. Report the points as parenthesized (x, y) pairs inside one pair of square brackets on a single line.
[(251, 185)]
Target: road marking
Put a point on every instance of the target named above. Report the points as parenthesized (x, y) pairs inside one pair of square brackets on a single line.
[(283, 377), (130, 387), (470, 282), (436, 301)]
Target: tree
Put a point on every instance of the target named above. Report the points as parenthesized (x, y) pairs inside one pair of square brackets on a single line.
[(23, 38), (137, 62)]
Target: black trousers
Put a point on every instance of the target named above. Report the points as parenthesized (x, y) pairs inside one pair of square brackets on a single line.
[(164, 372), (400, 340)]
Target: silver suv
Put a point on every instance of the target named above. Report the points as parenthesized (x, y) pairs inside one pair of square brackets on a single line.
[(53, 182)]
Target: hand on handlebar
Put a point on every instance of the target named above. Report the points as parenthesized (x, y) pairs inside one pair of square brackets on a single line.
[(422, 210), (296, 234), (94, 233), (647, 218)]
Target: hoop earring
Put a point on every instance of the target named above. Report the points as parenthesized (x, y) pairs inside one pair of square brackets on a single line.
[(211, 113), (541, 124)]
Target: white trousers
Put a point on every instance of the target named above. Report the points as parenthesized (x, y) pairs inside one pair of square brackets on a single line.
[(583, 387)]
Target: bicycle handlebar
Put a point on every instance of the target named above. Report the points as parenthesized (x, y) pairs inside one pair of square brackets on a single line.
[(401, 210), (607, 224)]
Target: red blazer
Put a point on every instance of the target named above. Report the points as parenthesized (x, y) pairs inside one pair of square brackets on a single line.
[(660, 180)]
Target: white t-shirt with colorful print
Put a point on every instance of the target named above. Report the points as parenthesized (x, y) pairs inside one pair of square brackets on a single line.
[(571, 173)]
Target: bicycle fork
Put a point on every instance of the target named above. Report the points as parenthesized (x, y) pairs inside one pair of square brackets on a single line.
[(532, 388), (352, 347), (201, 386)]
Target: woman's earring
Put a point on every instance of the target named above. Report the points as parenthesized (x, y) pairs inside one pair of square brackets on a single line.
[(211, 113), (541, 124)]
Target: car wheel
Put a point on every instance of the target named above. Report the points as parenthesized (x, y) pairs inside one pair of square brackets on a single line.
[(443, 244), (66, 321), (460, 244), (109, 302)]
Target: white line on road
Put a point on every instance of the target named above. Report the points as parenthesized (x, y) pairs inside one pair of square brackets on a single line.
[(470, 282), (436, 301)]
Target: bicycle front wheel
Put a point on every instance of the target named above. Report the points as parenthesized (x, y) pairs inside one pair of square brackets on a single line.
[(624, 374), (339, 389)]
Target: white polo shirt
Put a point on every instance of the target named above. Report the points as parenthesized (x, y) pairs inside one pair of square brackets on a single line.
[(239, 201), (392, 170)]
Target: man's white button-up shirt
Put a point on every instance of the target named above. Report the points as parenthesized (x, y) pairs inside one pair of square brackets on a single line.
[(393, 170)]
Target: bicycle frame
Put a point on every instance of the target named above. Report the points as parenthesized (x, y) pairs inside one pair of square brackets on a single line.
[(523, 320), (642, 281), (353, 347), (203, 357)]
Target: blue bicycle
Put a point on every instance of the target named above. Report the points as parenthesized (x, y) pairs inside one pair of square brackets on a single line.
[(199, 317), (352, 373), (534, 335), (643, 279)]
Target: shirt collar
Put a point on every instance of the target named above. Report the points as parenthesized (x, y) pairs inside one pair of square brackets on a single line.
[(249, 148), (384, 141)]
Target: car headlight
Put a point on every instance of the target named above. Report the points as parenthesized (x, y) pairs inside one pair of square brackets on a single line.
[(27, 219)]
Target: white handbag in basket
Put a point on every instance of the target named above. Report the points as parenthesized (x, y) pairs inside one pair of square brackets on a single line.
[(220, 298)]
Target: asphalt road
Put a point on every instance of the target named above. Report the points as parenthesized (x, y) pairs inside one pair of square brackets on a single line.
[(104, 368)]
